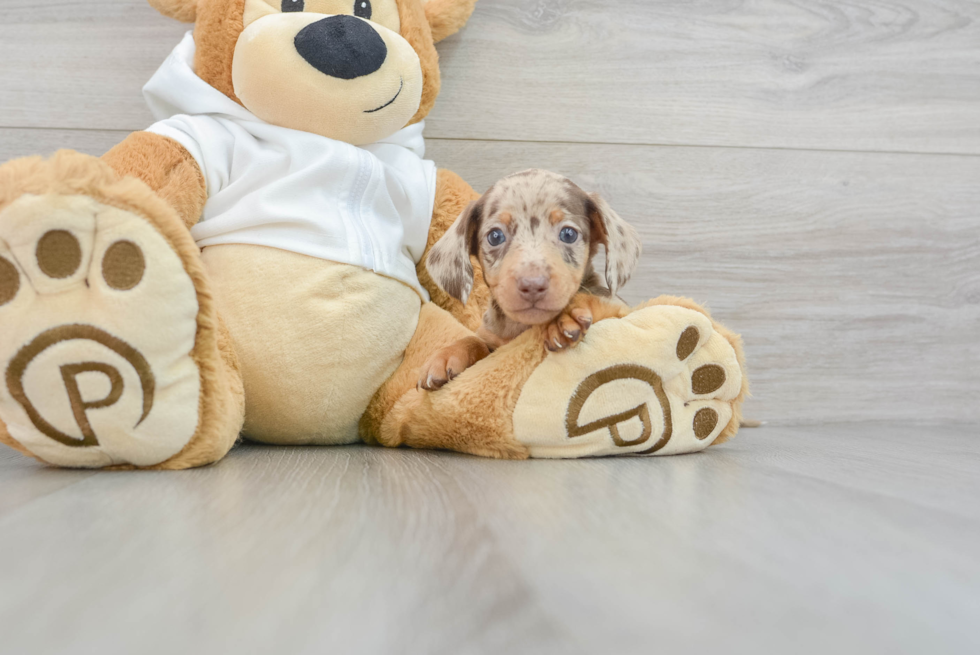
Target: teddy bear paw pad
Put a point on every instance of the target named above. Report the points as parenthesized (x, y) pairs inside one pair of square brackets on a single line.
[(659, 381), (99, 320)]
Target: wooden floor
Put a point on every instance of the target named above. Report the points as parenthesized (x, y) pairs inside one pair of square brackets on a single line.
[(809, 170), (852, 539)]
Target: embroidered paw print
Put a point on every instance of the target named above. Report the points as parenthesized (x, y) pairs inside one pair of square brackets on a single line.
[(661, 380), (99, 320)]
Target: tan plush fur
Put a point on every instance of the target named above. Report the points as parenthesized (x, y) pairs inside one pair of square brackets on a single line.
[(415, 29), (315, 339), (166, 167), (736, 342), (448, 16), (473, 415), (219, 24), (183, 10), (222, 401), (435, 329)]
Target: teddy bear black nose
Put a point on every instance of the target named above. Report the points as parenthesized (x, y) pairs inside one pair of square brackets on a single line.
[(342, 46)]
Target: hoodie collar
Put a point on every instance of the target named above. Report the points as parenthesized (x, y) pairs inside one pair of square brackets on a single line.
[(175, 89)]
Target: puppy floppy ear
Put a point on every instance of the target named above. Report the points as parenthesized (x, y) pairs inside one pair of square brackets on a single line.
[(622, 242), (449, 259), (183, 10), (446, 17)]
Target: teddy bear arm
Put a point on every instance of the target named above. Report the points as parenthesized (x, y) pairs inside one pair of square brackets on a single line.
[(446, 17), (166, 167), (453, 194)]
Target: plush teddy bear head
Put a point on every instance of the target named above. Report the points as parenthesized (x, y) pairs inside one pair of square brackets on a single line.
[(351, 70)]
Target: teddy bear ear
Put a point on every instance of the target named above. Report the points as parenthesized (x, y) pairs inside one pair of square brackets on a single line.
[(183, 10), (446, 17)]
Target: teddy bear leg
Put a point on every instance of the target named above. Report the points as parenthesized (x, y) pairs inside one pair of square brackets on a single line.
[(663, 379), (113, 354), (470, 415), (733, 340)]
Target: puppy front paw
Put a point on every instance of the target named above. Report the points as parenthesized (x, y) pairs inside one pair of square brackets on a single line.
[(447, 363), (568, 328)]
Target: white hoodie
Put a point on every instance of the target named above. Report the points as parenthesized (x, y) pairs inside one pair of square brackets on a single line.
[(368, 206)]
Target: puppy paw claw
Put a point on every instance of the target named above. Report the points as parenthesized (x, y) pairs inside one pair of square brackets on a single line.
[(583, 317)]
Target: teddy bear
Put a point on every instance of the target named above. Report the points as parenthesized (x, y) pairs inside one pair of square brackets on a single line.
[(252, 264)]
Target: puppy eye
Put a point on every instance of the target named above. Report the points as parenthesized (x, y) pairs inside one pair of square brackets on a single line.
[(293, 5), (496, 237), (568, 235), (362, 9)]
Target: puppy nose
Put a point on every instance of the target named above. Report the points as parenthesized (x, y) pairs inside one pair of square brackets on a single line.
[(342, 46), (532, 288)]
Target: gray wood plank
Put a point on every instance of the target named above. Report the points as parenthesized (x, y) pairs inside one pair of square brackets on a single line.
[(866, 76), (80, 63), (28, 142), (935, 468), (777, 542), (284, 550), (22, 481), (854, 277), (846, 539)]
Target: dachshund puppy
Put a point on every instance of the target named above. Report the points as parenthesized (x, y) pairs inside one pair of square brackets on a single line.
[(535, 234)]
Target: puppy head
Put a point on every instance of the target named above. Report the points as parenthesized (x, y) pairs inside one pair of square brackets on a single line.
[(535, 234)]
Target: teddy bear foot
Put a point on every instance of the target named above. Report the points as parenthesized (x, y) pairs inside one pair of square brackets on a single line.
[(664, 379), (659, 381), (101, 356)]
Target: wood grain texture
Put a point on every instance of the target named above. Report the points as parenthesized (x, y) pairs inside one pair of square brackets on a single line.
[(21, 482), (16, 143), (899, 75), (851, 539), (80, 63), (853, 277)]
